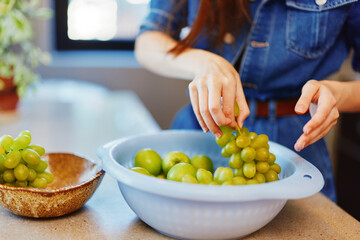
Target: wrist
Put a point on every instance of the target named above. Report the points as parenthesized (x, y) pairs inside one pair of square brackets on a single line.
[(334, 88), (192, 61)]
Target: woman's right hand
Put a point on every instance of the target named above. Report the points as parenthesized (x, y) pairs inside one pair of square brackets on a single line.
[(213, 92), (212, 77)]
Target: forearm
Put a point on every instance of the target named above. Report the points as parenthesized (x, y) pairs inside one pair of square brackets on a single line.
[(151, 50), (347, 94)]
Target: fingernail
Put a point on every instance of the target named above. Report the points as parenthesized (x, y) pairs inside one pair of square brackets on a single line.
[(205, 129), (299, 146), (307, 131), (217, 135)]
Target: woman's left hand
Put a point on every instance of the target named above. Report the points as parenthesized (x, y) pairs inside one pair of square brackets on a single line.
[(319, 100)]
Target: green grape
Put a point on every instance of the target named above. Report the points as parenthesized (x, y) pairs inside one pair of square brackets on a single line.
[(32, 175), (276, 167), (189, 179), (8, 176), (39, 149), (262, 154), (21, 172), (271, 159), (6, 141), (243, 141), (262, 167), (224, 153), (135, 169), (271, 176), (244, 131), (39, 168), (235, 161), (2, 167), (203, 176), (230, 182), (239, 180), (21, 142), (214, 183), (2, 150), (39, 183), (249, 169), (21, 183), (239, 172), (252, 135), (260, 177), (236, 109), (223, 174), (252, 181), (12, 159), (260, 141), (161, 176), (248, 154), (202, 161), (30, 156), (225, 137), (25, 133), (231, 147)]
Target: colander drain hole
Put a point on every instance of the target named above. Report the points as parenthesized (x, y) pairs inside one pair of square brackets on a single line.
[(307, 176)]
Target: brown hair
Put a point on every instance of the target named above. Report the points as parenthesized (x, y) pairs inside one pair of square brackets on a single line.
[(225, 15)]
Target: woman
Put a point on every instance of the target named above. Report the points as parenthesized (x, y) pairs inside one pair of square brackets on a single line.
[(274, 47)]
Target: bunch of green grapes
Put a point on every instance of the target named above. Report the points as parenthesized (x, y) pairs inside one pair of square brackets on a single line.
[(249, 155), (250, 162), (21, 164)]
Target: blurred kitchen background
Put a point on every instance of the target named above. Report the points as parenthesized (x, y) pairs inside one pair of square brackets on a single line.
[(92, 40)]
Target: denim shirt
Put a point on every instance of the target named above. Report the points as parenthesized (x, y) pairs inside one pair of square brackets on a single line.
[(289, 43)]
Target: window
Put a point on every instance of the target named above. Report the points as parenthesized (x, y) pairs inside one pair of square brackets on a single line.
[(98, 24)]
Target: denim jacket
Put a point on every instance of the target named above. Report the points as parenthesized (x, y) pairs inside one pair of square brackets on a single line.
[(289, 43)]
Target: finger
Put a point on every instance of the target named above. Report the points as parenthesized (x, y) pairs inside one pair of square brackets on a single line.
[(244, 110), (204, 109), (305, 140), (319, 135), (326, 108), (194, 99), (215, 109), (228, 94), (307, 94)]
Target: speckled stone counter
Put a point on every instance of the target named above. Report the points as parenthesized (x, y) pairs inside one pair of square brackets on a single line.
[(74, 117)]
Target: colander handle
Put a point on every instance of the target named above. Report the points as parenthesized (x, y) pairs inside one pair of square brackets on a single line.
[(104, 150), (306, 181)]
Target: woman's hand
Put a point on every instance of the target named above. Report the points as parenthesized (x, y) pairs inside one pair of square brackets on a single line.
[(216, 79), (321, 102), (212, 78)]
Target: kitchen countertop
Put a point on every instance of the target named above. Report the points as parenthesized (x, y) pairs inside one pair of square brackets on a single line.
[(91, 116)]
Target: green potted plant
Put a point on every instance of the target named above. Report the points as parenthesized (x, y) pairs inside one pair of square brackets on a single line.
[(19, 56)]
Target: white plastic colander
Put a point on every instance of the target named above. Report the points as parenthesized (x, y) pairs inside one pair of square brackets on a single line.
[(196, 211)]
